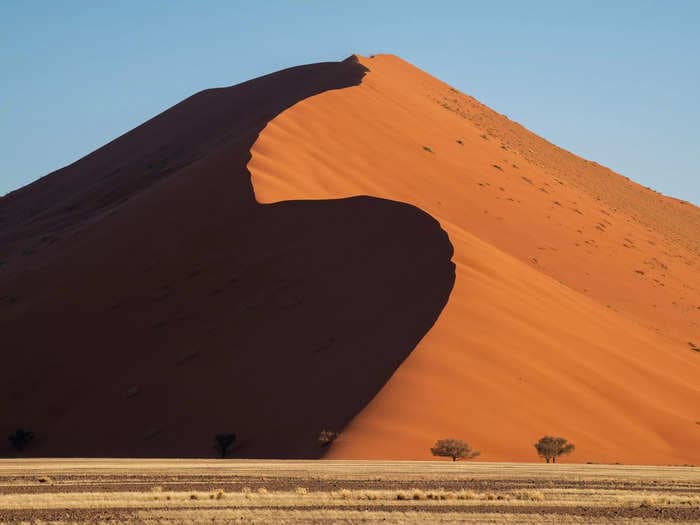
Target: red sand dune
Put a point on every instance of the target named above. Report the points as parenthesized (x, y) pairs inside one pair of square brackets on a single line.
[(151, 296), (577, 291), (147, 301)]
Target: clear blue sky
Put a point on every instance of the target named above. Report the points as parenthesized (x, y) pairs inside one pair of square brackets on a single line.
[(617, 82)]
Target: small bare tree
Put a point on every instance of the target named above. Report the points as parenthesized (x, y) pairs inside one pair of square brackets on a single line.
[(222, 442), (453, 448), (326, 437), (550, 448)]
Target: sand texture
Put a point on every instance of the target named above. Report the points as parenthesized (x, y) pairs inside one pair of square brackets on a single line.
[(577, 294), (356, 246)]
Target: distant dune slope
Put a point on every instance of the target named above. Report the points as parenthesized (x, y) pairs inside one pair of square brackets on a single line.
[(147, 302), (576, 306)]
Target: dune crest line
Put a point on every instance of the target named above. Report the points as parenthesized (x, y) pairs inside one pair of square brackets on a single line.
[(576, 306), (148, 302)]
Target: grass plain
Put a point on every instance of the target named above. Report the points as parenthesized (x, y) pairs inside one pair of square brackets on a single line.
[(254, 491)]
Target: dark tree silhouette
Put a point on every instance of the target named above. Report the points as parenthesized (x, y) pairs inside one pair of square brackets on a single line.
[(20, 439), (550, 448), (326, 437), (222, 442), (453, 448)]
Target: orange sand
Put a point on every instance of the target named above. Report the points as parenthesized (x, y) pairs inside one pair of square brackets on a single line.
[(148, 302), (577, 291)]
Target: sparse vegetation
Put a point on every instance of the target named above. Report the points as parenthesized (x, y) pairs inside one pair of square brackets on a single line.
[(345, 492), (460, 142), (326, 437), (428, 149), (223, 442), (453, 448), (20, 439), (550, 448)]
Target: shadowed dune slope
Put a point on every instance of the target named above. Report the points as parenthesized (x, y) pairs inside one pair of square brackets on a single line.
[(576, 306), (148, 302)]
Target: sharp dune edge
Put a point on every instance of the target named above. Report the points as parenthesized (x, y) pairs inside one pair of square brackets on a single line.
[(148, 303), (348, 245), (577, 292)]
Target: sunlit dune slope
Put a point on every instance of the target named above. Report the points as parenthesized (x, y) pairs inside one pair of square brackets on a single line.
[(576, 305)]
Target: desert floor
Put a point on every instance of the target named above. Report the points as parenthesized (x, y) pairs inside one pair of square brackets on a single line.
[(251, 491)]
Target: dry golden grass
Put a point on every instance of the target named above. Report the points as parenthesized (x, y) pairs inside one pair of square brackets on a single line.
[(170, 491)]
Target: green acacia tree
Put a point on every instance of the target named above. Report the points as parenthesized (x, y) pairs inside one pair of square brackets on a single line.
[(20, 439), (550, 448), (222, 442), (453, 448)]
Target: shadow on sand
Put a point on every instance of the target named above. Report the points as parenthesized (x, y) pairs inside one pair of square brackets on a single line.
[(168, 306)]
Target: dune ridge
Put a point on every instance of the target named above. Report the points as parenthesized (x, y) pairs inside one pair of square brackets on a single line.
[(351, 245), (148, 303), (576, 305)]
